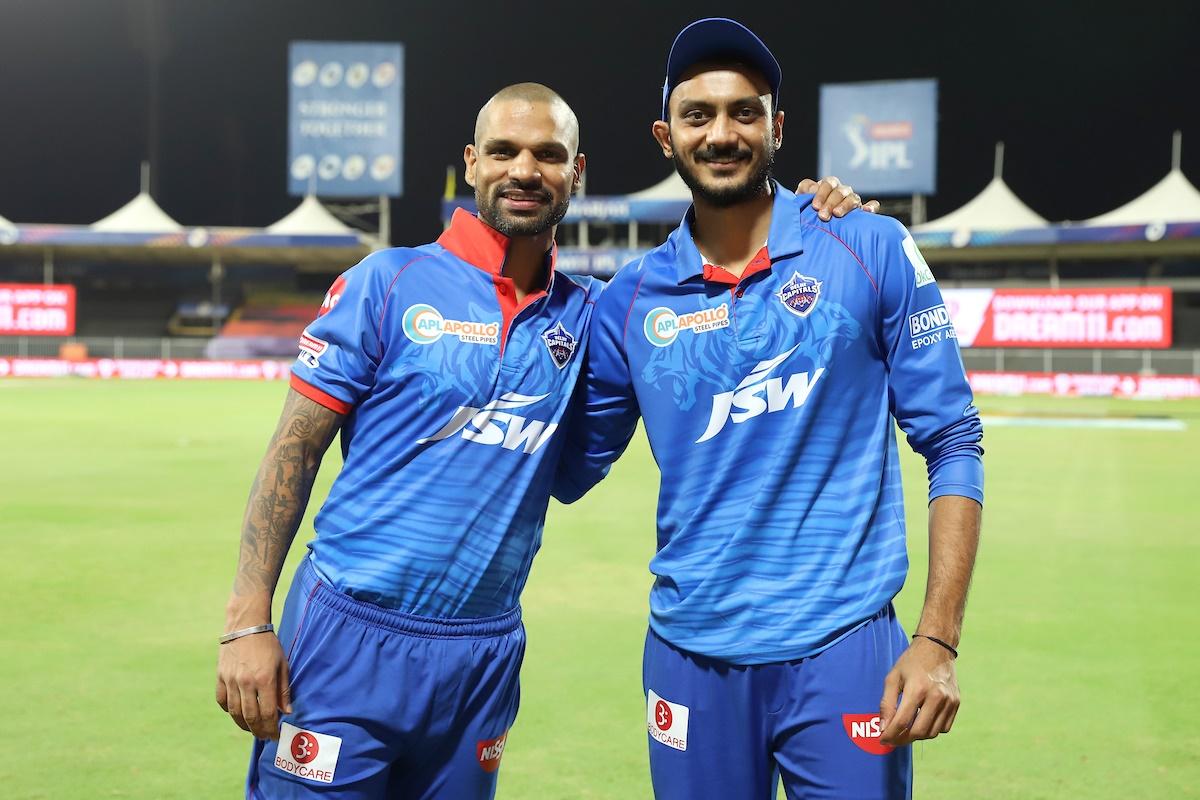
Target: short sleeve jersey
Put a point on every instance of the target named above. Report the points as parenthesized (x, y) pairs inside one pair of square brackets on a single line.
[(770, 402), (453, 394)]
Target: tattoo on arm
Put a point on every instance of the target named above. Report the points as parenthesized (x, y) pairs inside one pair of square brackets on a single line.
[(280, 491)]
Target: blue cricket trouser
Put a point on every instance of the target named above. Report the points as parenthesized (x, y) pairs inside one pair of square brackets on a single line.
[(386, 704), (721, 731)]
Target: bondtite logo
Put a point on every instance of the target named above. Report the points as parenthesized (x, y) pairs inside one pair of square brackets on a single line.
[(757, 394), (424, 324), (864, 731), (879, 145), (492, 425), (662, 325)]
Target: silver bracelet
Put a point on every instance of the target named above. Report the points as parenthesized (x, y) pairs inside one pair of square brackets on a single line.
[(229, 637)]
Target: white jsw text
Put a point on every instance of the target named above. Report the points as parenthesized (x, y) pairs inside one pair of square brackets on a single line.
[(492, 425), (758, 394)]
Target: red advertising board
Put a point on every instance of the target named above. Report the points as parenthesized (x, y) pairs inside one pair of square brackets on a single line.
[(1132, 318), (35, 309), (144, 369), (1077, 384)]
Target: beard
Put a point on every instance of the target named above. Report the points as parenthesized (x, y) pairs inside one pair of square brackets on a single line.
[(513, 225), (756, 184)]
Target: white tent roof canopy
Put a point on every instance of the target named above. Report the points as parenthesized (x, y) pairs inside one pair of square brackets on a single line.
[(139, 215), (671, 187), (995, 208), (4, 223), (310, 217), (1173, 199)]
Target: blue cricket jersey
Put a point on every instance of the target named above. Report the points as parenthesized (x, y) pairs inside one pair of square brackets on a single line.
[(769, 404), (453, 393)]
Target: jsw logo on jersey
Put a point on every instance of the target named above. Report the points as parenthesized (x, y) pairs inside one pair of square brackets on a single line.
[(759, 394), (492, 425)]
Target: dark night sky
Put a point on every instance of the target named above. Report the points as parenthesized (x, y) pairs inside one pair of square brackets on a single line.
[(1085, 101)]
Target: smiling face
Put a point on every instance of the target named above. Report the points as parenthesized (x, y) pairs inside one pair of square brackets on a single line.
[(523, 164), (721, 134)]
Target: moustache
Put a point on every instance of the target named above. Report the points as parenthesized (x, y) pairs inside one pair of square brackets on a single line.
[(540, 194), (715, 154)]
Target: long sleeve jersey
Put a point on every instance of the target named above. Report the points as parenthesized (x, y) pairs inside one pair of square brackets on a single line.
[(770, 404)]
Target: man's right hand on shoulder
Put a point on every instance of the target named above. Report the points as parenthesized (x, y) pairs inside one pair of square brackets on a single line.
[(253, 684)]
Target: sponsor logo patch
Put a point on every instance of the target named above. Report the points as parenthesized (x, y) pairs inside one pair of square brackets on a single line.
[(424, 324), (561, 344), (930, 326), (662, 325), (759, 394), (307, 754), (667, 722), (493, 425), (311, 349), (921, 270), (332, 296), (800, 294), (489, 751), (864, 731)]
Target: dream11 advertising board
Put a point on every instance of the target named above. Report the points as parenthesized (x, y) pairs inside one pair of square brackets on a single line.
[(35, 309), (1134, 318)]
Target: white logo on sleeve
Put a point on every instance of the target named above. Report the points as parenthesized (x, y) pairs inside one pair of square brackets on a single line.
[(759, 394), (667, 722), (921, 270), (307, 754)]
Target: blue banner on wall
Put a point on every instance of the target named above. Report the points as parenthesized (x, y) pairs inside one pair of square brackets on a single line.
[(880, 137), (345, 119)]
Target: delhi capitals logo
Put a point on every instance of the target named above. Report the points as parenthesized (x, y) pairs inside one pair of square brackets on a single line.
[(800, 294), (560, 343)]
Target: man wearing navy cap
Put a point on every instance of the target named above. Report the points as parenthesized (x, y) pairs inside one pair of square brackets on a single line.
[(770, 353)]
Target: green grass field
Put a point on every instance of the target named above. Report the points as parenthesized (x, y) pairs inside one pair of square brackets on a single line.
[(120, 504)]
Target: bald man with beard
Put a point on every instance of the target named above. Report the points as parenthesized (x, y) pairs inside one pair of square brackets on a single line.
[(447, 369)]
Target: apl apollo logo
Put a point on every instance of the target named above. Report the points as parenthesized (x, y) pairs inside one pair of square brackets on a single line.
[(758, 394), (424, 324), (800, 294), (662, 325)]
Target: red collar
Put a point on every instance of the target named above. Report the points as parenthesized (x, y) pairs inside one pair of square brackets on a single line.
[(479, 244), (761, 261)]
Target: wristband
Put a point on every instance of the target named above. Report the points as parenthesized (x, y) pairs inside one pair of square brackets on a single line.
[(935, 640), (229, 637)]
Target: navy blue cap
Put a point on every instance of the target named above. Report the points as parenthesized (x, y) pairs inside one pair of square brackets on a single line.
[(719, 37)]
